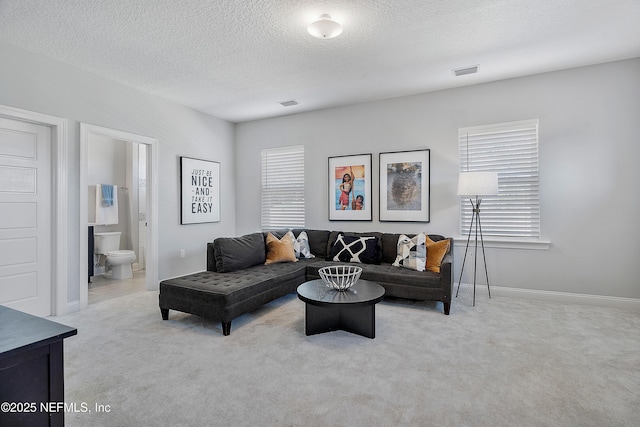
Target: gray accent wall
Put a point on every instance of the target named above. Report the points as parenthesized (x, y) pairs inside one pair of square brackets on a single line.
[(589, 173), (36, 83)]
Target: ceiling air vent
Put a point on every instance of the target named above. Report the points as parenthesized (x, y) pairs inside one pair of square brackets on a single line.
[(288, 103), (465, 71)]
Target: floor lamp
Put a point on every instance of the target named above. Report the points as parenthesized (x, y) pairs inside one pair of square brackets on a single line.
[(476, 184)]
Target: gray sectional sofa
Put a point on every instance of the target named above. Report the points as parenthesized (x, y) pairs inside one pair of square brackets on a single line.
[(237, 281)]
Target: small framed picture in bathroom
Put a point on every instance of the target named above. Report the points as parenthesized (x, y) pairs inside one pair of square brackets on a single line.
[(200, 191)]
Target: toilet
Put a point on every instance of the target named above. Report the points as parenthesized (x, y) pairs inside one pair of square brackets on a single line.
[(108, 244)]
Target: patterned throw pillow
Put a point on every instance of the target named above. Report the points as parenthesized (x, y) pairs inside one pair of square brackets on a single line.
[(354, 249), (412, 252), (301, 245), (435, 253)]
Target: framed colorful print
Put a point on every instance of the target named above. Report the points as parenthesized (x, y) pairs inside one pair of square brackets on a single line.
[(404, 186), (200, 191), (350, 188)]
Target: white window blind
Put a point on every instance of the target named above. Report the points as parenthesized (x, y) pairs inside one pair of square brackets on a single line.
[(282, 196), (511, 149)]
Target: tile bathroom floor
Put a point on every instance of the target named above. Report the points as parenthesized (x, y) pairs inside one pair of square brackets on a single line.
[(103, 288)]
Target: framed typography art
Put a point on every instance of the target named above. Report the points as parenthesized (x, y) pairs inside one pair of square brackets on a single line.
[(349, 185), (200, 191), (404, 186)]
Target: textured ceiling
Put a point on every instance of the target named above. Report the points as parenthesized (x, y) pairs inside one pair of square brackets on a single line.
[(238, 59)]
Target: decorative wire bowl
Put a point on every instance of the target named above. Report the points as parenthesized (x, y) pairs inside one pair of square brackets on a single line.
[(340, 277)]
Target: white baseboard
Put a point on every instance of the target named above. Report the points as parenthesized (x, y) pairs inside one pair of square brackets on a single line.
[(532, 294), (73, 306), (561, 297)]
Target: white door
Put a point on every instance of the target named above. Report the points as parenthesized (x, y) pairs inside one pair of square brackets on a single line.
[(142, 206), (25, 217)]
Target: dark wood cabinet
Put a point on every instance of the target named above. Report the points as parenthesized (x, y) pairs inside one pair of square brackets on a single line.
[(31, 369)]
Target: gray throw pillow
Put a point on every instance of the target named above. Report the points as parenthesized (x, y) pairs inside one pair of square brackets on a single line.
[(237, 253), (318, 241)]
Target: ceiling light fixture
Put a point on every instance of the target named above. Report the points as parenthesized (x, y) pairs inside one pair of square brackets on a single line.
[(325, 28)]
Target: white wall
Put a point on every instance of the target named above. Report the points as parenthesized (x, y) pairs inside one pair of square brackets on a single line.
[(36, 83), (106, 161), (589, 151)]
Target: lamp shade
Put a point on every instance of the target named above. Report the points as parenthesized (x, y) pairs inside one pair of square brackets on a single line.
[(325, 28), (478, 184)]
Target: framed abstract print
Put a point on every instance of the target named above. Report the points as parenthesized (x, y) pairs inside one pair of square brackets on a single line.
[(349, 184), (404, 186)]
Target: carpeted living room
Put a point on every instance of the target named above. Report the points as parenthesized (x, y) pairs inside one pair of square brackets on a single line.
[(506, 361), (350, 213)]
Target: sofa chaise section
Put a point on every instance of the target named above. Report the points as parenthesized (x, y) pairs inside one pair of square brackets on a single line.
[(236, 282), (225, 296)]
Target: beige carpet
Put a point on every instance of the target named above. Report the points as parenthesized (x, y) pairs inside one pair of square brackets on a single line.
[(505, 362)]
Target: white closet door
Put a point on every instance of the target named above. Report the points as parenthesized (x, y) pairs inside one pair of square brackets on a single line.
[(25, 217)]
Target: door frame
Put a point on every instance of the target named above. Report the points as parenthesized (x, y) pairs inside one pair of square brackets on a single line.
[(86, 131), (59, 197)]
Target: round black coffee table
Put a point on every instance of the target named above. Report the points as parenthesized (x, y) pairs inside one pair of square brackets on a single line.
[(353, 310)]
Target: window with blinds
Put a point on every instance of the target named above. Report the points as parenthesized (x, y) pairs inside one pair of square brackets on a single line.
[(282, 195), (511, 149)]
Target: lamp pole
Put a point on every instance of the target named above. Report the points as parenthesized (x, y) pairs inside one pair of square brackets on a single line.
[(476, 184), (475, 220)]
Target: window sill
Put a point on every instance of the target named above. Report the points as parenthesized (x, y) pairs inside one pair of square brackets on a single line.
[(505, 243)]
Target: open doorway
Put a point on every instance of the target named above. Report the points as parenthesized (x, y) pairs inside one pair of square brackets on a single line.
[(126, 164), (118, 168)]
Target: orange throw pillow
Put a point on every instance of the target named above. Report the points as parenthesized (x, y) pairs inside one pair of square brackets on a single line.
[(435, 253), (280, 250)]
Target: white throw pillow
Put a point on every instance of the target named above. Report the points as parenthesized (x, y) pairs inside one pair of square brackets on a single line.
[(301, 245), (412, 253)]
